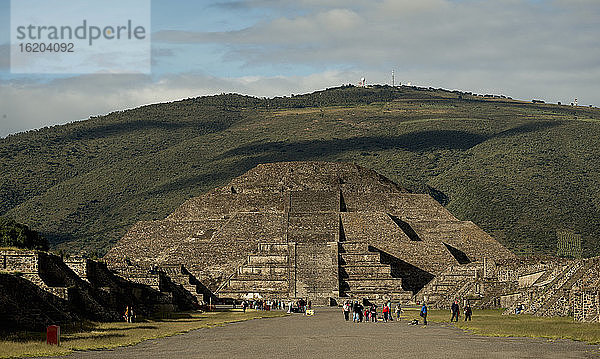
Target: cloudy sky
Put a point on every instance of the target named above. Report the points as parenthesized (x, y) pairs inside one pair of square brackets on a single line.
[(543, 49)]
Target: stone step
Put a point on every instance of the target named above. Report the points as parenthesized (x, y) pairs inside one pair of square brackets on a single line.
[(368, 276), (274, 248), (452, 280), (191, 288), (375, 282), (254, 259), (398, 295), (241, 293), (150, 280), (172, 270), (261, 277), (359, 258), (375, 289), (263, 270), (253, 285), (349, 247), (181, 279), (365, 270), (436, 286), (470, 274)]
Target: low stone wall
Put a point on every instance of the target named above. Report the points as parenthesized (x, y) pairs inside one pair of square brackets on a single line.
[(586, 304), (57, 293), (24, 261)]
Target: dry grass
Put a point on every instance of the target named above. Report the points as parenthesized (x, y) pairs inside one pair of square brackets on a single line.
[(94, 336), (493, 323)]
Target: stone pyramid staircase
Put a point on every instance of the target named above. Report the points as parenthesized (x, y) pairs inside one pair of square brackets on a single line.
[(454, 282), (140, 275), (363, 275), (264, 272), (180, 275)]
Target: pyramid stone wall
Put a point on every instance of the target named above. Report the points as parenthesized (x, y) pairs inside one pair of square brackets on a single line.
[(308, 229)]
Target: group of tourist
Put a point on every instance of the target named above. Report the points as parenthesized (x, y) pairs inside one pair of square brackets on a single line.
[(299, 306), (128, 315), (360, 313), (260, 304), (369, 313), (455, 311)]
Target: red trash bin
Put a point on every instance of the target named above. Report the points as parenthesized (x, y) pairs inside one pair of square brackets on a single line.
[(53, 335)]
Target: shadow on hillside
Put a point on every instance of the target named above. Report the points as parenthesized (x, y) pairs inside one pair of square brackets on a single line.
[(526, 128), (256, 153), (414, 142)]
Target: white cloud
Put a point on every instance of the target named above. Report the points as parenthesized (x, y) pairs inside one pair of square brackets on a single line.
[(502, 35), (28, 105)]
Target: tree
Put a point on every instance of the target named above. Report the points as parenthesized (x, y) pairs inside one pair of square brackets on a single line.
[(13, 234)]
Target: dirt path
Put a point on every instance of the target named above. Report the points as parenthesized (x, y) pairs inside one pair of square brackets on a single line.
[(326, 335)]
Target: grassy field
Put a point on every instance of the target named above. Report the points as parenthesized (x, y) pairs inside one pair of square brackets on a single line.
[(492, 323), (521, 171), (94, 336)]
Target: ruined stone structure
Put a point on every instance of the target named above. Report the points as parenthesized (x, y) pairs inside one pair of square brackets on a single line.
[(316, 230), (38, 289), (540, 286)]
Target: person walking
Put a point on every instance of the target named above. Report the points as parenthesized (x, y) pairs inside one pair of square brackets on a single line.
[(468, 312), (386, 313), (360, 312), (374, 313), (389, 305), (455, 311), (423, 313), (355, 312), (398, 311), (346, 310)]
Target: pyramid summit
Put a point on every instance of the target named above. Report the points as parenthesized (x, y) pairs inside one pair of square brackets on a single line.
[(318, 230)]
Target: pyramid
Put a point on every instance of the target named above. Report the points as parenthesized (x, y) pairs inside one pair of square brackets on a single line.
[(316, 230)]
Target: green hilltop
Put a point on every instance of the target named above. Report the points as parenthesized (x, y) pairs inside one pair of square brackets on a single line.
[(519, 170)]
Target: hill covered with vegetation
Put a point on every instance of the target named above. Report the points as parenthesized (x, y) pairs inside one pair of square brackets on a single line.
[(519, 170)]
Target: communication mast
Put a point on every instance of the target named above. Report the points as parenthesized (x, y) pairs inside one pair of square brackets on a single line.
[(393, 79)]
